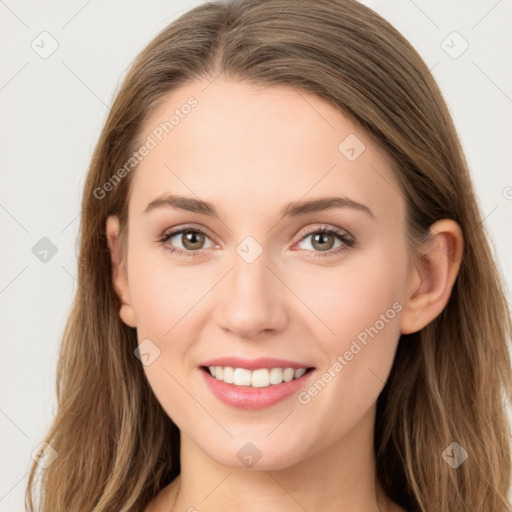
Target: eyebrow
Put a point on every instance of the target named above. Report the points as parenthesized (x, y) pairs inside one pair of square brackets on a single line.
[(290, 210)]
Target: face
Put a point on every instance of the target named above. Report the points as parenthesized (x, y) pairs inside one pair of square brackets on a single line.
[(320, 288)]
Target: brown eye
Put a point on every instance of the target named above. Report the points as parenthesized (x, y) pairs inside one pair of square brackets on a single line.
[(186, 241), (192, 240), (324, 241)]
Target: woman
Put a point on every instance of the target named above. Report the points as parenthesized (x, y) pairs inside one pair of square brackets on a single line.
[(287, 298)]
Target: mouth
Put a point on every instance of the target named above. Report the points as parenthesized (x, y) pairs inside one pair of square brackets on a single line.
[(256, 389), (258, 378)]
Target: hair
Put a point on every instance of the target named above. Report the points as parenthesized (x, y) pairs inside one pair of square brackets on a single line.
[(116, 446)]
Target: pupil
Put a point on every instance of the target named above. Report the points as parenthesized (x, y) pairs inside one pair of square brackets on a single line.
[(320, 238)]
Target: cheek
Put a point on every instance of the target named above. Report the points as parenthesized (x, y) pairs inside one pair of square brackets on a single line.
[(163, 298), (163, 293), (359, 307), (352, 296)]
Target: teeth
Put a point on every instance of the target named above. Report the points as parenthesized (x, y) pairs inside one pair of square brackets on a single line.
[(228, 375), (299, 372), (261, 378), (241, 377), (276, 376)]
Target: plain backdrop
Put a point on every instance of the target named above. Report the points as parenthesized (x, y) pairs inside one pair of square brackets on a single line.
[(61, 65)]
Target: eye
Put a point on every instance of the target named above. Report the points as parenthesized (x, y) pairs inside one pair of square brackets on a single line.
[(324, 239), (192, 240)]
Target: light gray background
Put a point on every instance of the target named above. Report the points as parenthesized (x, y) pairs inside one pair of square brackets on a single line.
[(52, 112)]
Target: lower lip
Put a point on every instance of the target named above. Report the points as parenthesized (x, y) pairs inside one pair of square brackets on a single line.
[(247, 397)]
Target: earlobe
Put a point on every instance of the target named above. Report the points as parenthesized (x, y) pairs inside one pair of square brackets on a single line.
[(433, 276), (119, 272)]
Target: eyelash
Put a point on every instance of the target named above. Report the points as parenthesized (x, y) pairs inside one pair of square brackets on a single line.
[(347, 241)]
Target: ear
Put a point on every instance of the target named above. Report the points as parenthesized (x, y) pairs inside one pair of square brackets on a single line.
[(432, 278), (119, 272)]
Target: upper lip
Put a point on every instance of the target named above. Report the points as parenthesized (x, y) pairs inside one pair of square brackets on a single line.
[(254, 364)]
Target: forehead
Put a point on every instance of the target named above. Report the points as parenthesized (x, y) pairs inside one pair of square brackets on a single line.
[(269, 145)]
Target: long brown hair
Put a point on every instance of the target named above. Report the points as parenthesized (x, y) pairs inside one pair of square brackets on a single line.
[(116, 446)]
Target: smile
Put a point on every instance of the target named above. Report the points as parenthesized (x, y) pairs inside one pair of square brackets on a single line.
[(259, 378), (254, 389)]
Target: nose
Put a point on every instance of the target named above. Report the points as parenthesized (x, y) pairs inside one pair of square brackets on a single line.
[(251, 300)]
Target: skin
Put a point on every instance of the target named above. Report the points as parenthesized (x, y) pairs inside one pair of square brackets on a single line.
[(249, 151)]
